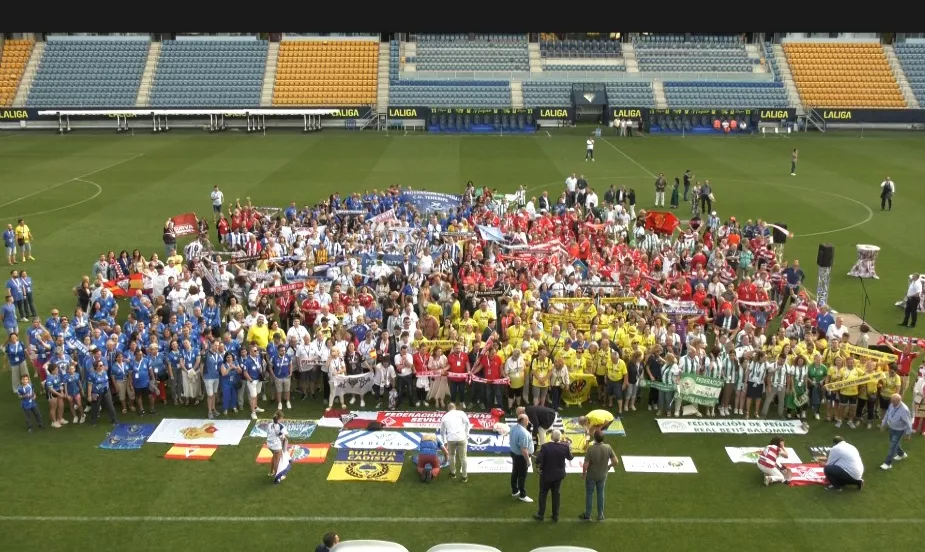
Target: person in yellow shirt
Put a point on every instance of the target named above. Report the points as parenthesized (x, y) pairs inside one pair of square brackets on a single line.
[(515, 332), (616, 381), (888, 386), (482, 316), (596, 420), (867, 395), (540, 372), (175, 257), (259, 333), (848, 397), (24, 240)]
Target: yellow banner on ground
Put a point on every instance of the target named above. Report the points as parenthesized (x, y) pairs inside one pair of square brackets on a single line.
[(869, 353), (383, 466), (868, 378), (579, 388), (578, 440)]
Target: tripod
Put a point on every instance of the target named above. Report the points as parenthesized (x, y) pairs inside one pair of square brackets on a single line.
[(865, 300)]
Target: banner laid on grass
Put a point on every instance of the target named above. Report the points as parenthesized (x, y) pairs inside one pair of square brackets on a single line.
[(749, 455), (299, 430), (313, 453), (504, 464), (194, 452), (700, 389), (741, 427), (819, 454), (199, 432), (571, 425), (330, 423), (382, 466), (430, 420), (489, 442), (125, 287), (127, 436), (658, 464), (578, 442), (807, 474), (389, 440)]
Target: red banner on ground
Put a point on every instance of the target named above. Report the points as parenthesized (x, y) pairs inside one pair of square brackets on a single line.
[(806, 474), (431, 420), (185, 224)]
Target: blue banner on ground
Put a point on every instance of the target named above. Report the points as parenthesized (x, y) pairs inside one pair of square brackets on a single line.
[(128, 436), (489, 442), (428, 202)]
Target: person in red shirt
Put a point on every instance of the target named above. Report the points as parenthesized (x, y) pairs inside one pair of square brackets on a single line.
[(285, 303), (222, 228), (458, 374), (310, 308), (489, 368), (906, 356)]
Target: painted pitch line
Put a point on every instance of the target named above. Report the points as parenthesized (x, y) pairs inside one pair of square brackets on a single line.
[(76, 178), (633, 161), (430, 520)]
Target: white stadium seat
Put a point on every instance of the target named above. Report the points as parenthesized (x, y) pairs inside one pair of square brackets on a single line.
[(461, 547), (368, 546), (563, 549)]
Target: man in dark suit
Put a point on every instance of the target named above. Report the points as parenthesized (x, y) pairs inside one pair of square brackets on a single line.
[(541, 418), (726, 322), (543, 202), (551, 463)]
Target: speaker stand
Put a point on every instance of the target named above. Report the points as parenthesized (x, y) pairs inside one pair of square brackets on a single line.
[(822, 285)]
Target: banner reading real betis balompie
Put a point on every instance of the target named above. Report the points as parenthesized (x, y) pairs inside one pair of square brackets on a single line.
[(700, 389)]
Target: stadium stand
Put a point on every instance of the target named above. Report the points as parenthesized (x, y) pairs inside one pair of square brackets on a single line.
[(546, 94), (320, 72), (451, 93), (207, 73), (912, 59), (89, 73), (580, 49), (13, 59), (714, 54), (726, 94), (843, 74), (460, 52), (554, 65), (630, 94)]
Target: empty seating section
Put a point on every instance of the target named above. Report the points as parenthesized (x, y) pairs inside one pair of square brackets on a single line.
[(334, 73), (450, 93), (546, 94), (580, 49), (912, 59), (13, 59), (726, 94), (708, 54), (548, 65), (461, 52), (845, 74), (209, 73), (89, 73), (630, 94)]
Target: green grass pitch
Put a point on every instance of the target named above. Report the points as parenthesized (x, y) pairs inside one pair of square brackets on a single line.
[(88, 193)]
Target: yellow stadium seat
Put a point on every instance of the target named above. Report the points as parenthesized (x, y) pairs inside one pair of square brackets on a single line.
[(322, 72)]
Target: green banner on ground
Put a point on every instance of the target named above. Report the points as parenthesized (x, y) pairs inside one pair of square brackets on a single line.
[(700, 389)]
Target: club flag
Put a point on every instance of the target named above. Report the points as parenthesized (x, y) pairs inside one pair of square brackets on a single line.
[(282, 469), (185, 224), (578, 442), (128, 436), (298, 454), (190, 452), (662, 222), (383, 466), (806, 474), (126, 286), (579, 389)]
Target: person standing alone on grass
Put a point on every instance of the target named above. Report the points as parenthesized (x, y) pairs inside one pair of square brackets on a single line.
[(218, 199), (660, 185), (687, 183), (599, 459), (27, 401), (454, 431), (898, 420), (793, 162), (843, 466), (589, 152), (521, 451), (887, 189), (551, 463), (24, 240), (913, 296)]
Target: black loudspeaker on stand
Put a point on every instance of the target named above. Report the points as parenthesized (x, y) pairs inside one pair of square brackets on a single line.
[(825, 258), (779, 236)]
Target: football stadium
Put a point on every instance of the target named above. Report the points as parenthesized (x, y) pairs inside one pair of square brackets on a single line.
[(672, 280)]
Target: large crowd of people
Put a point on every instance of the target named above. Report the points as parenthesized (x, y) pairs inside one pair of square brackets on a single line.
[(488, 301)]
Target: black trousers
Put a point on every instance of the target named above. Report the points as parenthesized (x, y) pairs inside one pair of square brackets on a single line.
[(405, 386), (886, 200), (519, 475), (706, 206), (838, 477), (103, 400), (545, 487), (911, 314)]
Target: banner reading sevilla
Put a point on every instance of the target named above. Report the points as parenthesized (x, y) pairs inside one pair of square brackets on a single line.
[(185, 224), (431, 420), (662, 222)]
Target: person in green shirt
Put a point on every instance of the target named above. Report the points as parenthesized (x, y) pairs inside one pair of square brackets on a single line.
[(816, 373), (599, 459)]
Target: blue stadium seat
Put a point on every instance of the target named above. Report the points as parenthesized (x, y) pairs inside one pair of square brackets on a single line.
[(912, 59)]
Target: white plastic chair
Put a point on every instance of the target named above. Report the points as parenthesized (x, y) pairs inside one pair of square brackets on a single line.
[(563, 549), (368, 546), (462, 547)]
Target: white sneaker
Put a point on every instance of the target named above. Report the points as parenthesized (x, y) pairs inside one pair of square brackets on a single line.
[(353, 400), (885, 467), (62, 421), (817, 415), (869, 426), (767, 480), (515, 494), (903, 457), (851, 425), (838, 424), (526, 499), (260, 409), (362, 403), (418, 404), (793, 174), (464, 407), (74, 421), (253, 415), (279, 406), (288, 405), (56, 425), (83, 418)]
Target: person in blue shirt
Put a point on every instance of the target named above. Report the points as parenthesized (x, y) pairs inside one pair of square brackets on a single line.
[(282, 371), (142, 375), (210, 376), (82, 327), (99, 395), (28, 300), (191, 373), (158, 362), (9, 242), (253, 374), (16, 356), (428, 461), (72, 392), (213, 316), (54, 387), (28, 403), (521, 454), (15, 290), (10, 322), (174, 377), (119, 373), (230, 376)]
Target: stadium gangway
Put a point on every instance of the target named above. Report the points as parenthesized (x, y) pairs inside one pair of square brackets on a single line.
[(256, 118)]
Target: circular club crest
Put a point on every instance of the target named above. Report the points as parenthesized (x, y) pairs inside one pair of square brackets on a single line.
[(367, 470), (672, 425), (687, 386), (297, 452)]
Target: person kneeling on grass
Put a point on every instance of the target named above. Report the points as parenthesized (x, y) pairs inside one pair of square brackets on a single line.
[(428, 461), (596, 420), (773, 471)]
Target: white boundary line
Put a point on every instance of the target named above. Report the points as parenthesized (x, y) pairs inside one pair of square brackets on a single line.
[(58, 185), (99, 190), (432, 520), (633, 161)]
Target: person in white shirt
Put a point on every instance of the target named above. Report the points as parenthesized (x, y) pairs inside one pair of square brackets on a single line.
[(297, 330), (218, 199), (913, 298), (887, 189), (404, 371), (837, 330), (589, 151), (843, 466), (591, 200), (454, 432)]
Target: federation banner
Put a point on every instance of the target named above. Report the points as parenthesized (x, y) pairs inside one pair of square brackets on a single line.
[(807, 474), (504, 464), (431, 420), (299, 430), (389, 440), (489, 442), (868, 378), (313, 453), (194, 452), (658, 464), (740, 427), (127, 436), (383, 466), (175, 431), (749, 455), (700, 389)]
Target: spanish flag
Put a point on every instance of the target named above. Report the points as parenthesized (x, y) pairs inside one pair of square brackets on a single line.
[(299, 454), (191, 452), (126, 286)]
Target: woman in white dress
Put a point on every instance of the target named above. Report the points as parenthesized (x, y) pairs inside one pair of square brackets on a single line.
[(277, 442), (440, 387), (336, 368)]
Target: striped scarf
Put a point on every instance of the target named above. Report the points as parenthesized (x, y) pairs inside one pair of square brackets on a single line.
[(117, 269), (757, 371), (779, 377), (727, 367)]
